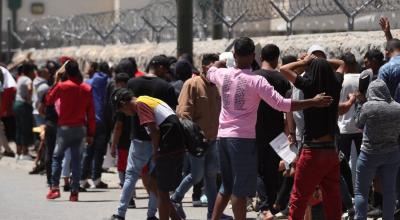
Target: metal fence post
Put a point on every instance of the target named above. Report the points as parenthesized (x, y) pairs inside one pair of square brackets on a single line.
[(230, 25), (289, 20), (9, 40), (352, 14)]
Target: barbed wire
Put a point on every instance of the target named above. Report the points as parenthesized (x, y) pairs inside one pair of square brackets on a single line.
[(155, 21)]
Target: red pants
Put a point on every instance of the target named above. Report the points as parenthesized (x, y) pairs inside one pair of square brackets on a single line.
[(122, 159), (317, 167)]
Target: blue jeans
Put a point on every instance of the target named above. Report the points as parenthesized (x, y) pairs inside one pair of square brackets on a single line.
[(386, 166), (73, 138), (66, 164), (140, 153), (207, 167), (93, 155)]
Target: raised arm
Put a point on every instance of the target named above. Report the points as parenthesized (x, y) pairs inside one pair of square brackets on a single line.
[(337, 65), (289, 70), (215, 72), (385, 25)]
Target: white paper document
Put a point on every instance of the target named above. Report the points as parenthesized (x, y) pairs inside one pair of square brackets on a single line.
[(281, 146)]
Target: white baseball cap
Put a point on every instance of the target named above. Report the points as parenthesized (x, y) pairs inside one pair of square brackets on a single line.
[(228, 58), (315, 48)]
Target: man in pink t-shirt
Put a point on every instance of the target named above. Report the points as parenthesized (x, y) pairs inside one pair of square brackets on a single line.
[(241, 92)]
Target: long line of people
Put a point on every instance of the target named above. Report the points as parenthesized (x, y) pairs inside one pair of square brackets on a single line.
[(236, 107)]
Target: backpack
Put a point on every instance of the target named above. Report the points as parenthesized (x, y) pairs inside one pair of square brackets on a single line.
[(195, 141)]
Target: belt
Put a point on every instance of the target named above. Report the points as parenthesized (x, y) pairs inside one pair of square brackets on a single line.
[(319, 145)]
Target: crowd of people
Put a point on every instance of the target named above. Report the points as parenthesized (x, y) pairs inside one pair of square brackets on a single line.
[(175, 127)]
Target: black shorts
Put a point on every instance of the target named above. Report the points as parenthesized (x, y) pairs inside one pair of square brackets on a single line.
[(168, 172)]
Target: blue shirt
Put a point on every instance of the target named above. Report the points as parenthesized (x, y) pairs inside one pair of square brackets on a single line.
[(99, 84), (390, 74)]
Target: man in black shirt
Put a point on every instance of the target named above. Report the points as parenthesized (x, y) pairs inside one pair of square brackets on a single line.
[(318, 163), (140, 151), (270, 123)]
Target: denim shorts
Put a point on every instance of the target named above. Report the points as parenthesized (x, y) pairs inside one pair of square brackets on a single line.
[(238, 163)]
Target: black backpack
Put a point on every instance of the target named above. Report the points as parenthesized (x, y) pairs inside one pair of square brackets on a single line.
[(195, 141)]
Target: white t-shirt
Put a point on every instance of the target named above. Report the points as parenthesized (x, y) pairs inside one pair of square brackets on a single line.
[(346, 122)]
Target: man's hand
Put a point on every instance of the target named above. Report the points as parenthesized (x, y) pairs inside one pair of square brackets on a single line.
[(352, 97), (220, 64), (321, 100), (282, 166), (292, 138), (385, 24), (309, 58), (360, 97), (89, 140)]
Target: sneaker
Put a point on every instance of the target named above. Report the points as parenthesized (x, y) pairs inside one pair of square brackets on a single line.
[(375, 213), (67, 188), (81, 189), (26, 157), (132, 204), (9, 154), (397, 214), (84, 184), (73, 197), (179, 209), (117, 217), (265, 215), (197, 203), (101, 185), (204, 200), (223, 217), (36, 170), (152, 218), (17, 157), (53, 194)]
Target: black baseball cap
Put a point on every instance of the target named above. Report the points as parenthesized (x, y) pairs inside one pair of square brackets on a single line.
[(160, 60)]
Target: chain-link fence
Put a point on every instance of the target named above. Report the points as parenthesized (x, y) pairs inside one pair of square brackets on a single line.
[(156, 22)]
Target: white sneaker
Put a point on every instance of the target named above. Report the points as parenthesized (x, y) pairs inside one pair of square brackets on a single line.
[(17, 157), (204, 200), (26, 157)]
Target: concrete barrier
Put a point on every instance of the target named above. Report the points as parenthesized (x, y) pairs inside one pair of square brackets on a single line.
[(334, 43)]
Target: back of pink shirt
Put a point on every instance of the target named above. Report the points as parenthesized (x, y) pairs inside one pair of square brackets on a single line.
[(241, 92)]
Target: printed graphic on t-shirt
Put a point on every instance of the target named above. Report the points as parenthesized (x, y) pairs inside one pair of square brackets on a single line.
[(240, 94), (226, 86)]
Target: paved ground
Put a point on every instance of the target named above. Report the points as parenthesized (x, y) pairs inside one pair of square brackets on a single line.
[(22, 197)]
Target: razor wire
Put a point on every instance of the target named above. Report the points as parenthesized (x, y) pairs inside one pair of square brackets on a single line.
[(156, 22)]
